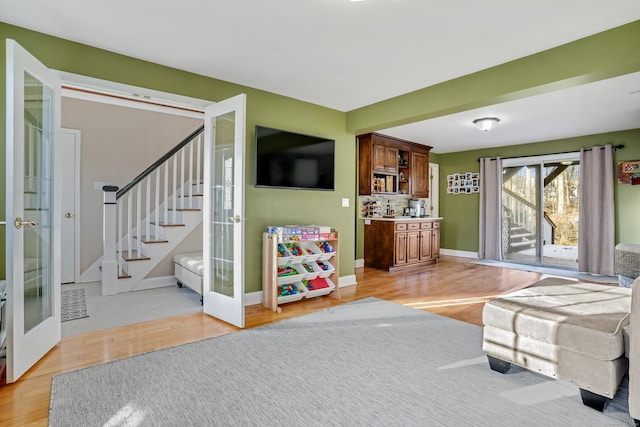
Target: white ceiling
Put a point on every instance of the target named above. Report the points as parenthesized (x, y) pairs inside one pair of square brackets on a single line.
[(345, 55)]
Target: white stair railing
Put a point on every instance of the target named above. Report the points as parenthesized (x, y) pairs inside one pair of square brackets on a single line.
[(137, 215)]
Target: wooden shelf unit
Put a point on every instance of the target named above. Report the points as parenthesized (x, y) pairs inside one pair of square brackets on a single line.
[(270, 267)]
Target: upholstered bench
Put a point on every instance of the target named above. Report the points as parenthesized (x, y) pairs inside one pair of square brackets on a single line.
[(562, 329)]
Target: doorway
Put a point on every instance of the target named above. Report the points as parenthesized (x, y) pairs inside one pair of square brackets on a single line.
[(540, 210)]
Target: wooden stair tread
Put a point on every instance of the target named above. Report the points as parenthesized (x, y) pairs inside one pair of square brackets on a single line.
[(164, 224), (151, 239), (193, 195), (134, 256), (124, 276), (187, 209)]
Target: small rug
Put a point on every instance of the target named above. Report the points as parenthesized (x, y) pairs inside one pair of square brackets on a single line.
[(73, 305), (365, 363)]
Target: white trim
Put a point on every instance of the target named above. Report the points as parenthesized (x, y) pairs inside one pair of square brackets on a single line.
[(545, 158), (359, 263), (253, 298), (461, 254), (433, 201), (76, 208), (345, 281), (164, 100)]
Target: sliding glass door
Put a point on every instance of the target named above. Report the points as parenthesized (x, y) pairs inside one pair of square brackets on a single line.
[(540, 210)]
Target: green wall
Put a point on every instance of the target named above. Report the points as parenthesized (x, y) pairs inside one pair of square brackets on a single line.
[(263, 206), (608, 54), (460, 213)]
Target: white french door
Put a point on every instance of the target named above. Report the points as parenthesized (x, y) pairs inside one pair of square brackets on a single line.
[(223, 217), (32, 211)]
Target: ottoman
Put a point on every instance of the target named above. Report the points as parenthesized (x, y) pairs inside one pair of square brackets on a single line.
[(562, 329)]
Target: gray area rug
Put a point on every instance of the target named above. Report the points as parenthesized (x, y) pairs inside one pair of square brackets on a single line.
[(365, 363), (73, 305)]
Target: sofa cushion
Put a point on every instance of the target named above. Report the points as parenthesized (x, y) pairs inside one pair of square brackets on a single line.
[(585, 318)]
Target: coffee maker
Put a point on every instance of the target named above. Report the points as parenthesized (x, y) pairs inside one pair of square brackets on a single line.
[(417, 206)]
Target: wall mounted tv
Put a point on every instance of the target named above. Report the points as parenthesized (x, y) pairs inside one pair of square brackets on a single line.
[(295, 161)]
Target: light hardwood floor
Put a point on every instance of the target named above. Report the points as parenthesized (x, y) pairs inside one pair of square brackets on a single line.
[(455, 287)]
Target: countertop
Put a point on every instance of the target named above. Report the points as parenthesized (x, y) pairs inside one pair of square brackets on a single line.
[(402, 218)]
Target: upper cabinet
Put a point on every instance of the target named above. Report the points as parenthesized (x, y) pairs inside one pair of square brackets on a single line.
[(389, 165)]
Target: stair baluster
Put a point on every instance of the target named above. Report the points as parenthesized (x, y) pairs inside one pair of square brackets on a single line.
[(131, 216)]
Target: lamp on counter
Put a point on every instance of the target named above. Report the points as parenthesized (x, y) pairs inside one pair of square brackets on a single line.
[(486, 123)]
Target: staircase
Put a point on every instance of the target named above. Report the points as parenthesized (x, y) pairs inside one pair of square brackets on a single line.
[(520, 238), (146, 220)]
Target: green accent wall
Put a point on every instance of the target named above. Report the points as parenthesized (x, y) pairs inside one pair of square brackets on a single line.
[(263, 206), (608, 54), (460, 212)]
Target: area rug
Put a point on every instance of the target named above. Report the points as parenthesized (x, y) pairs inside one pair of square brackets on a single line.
[(73, 305), (366, 363)]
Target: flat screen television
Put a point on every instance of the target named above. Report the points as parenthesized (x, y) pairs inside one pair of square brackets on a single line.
[(295, 161)]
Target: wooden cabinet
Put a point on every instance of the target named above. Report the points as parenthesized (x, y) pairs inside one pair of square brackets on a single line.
[(400, 244), (310, 261), (386, 166), (419, 174), (385, 159)]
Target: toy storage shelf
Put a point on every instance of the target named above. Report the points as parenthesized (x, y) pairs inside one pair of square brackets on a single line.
[(306, 267)]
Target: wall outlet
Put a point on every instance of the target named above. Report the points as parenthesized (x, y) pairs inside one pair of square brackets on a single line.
[(345, 202)]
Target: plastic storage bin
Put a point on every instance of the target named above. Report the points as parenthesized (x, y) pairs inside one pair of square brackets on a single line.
[(291, 292), (291, 273), (318, 287)]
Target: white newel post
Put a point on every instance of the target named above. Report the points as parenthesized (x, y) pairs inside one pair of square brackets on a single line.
[(109, 260)]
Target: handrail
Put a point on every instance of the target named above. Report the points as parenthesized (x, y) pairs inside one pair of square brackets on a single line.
[(158, 162)]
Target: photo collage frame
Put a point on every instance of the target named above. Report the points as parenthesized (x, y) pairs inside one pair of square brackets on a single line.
[(463, 183)]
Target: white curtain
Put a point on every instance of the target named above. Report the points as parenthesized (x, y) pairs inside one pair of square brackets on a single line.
[(490, 238), (596, 225)]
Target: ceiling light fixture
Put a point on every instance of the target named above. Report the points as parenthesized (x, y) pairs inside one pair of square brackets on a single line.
[(486, 123)]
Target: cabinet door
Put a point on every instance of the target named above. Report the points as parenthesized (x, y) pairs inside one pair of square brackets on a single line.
[(425, 244), (379, 158), (419, 174), (392, 159), (401, 248), (384, 159), (413, 246), (435, 243)]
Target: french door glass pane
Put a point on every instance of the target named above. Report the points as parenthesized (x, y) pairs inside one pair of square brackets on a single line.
[(520, 193), (222, 226), (38, 190), (560, 225)]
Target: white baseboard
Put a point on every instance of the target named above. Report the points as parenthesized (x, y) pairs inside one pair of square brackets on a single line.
[(461, 254), (347, 281), (253, 298), (359, 263)]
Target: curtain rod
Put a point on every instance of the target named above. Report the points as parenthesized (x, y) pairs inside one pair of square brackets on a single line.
[(615, 147)]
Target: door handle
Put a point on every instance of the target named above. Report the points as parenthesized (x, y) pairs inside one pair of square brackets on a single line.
[(19, 223), (235, 218), (68, 215)]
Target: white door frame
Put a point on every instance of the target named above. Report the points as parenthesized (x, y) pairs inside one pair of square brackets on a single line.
[(73, 163)]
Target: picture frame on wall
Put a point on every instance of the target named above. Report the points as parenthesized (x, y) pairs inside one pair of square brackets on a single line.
[(463, 183)]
